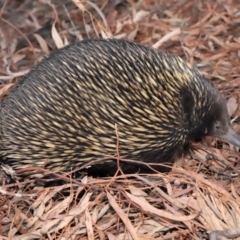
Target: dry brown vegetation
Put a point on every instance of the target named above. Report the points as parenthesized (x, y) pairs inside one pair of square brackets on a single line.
[(202, 192)]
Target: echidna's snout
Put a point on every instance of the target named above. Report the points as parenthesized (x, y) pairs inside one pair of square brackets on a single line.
[(220, 126), (231, 137)]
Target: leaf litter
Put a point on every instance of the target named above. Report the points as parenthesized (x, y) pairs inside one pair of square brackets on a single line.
[(200, 196)]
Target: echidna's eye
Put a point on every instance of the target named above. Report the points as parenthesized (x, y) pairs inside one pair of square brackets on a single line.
[(217, 126)]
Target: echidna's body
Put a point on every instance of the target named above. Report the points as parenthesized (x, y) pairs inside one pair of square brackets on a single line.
[(65, 111)]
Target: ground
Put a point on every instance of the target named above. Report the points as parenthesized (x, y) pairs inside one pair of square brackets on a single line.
[(200, 195)]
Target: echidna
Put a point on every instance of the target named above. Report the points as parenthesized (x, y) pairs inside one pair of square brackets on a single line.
[(64, 112)]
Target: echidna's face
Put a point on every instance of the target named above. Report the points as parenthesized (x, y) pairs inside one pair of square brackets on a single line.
[(221, 128), (217, 123)]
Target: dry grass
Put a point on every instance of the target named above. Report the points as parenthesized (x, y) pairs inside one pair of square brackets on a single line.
[(200, 195)]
